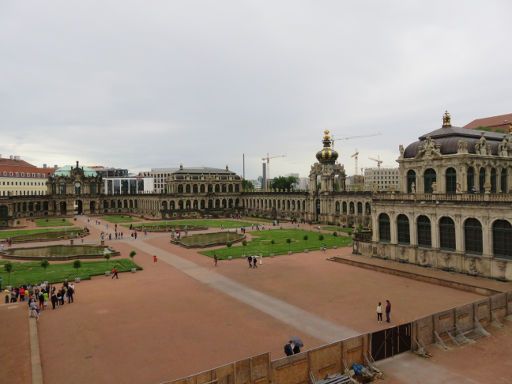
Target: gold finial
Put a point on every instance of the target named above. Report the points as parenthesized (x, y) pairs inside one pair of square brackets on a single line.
[(447, 120), (327, 136), (510, 129)]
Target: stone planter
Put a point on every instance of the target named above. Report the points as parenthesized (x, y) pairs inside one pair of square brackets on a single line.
[(306, 250), (107, 273), (289, 252), (230, 257), (77, 279), (133, 270)]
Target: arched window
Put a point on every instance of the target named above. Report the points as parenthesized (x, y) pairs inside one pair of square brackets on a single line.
[(429, 177), (473, 236), (481, 179), (402, 223), (187, 188), (337, 207), (344, 207), (504, 186), (502, 239), (368, 209), (411, 180), (493, 180), (359, 208), (447, 234), (470, 179), (384, 228), (424, 231), (451, 180), (351, 208)]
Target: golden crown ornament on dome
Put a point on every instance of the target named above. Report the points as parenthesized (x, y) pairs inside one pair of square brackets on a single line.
[(327, 155), (447, 120)]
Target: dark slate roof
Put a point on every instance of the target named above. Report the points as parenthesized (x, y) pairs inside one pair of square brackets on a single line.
[(448, 138)]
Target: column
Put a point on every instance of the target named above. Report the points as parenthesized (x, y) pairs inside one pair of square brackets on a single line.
[(487, 184), (413, 233), (459, 234), (462, 179), (434, 228), (498, 180), (375, 226), (441, 180), (486, 241), (393, 228)]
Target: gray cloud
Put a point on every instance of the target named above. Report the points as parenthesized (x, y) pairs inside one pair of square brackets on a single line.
[(151, 84)]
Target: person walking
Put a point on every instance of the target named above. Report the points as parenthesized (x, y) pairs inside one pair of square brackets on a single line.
[(254, 262), (114, 273), (388, 311), (215, 259), (249, 259), (155, 259), (288, 348), (379, 312)]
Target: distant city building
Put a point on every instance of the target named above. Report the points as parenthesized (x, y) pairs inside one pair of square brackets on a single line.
[(19, 178), (381, 179), (110, 171), (130, 185), (501, 123), (355, 183), (160, 177)]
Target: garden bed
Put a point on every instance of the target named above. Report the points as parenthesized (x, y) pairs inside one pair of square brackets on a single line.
[(204, 240), (59, 252)]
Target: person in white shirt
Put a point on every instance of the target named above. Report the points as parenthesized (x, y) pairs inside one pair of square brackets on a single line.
[(379, 312)]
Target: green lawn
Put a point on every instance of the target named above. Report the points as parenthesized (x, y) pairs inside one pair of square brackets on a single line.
[(262, 243), (52, 222), (209, 239), (33, 273), (119, 219), (4, 234), (57, 251), (207, 223)]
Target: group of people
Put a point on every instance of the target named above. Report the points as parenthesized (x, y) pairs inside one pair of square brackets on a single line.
[(387, 309), (39, 297), (291, 348), (253, 261)]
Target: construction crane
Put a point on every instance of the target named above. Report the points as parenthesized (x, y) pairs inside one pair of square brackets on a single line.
[(378, 160), (267, 158), (355, 156), (353, 137)]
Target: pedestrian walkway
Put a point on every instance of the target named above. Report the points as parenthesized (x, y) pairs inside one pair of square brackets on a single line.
[(302, 320)]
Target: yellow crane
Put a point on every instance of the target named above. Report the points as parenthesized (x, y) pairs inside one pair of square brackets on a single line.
[(353, 137), (378, 160), (267, 159), (355, 156)]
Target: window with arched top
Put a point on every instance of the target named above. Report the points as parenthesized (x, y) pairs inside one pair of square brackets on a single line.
[(473, 236), (481, 180), (504, 184), (493, 180), (384, 228), (411, 181), (424, 231), (451, 180), (502, 239), (402, 223), (429, 177), (470, 178), (447, 234)]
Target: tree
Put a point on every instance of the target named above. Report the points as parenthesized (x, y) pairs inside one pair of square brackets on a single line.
[(320, 237), (8, 268), (286, 183), (77, 264), (132, 254), (45, 264), (289, 241), (272, 242), (305, 238), (247, 185)]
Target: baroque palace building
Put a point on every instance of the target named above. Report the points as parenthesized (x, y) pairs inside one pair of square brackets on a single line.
[(452, 211)]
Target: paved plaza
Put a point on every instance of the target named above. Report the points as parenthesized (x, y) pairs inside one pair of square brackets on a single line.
[(182, 315)]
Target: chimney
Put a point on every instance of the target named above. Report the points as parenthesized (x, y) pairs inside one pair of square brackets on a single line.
[(44, 165), (16, 157), (11, 157)]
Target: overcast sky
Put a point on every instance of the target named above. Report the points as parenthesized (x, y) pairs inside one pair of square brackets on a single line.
[(142, 84)]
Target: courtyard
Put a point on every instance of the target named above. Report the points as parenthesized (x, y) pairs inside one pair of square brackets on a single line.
[(182, 315)]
